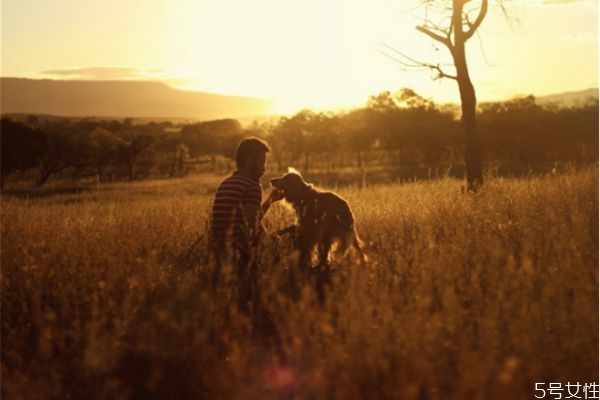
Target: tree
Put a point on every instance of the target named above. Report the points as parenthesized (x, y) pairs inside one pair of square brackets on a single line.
[(130, 147), (294, 136), (430, 130), (358, 135), (385, 120), (211, 138), (453, 33), (68, 145), (22, 147), (57, 157), (171, 154), (104, 147), (326, 136)]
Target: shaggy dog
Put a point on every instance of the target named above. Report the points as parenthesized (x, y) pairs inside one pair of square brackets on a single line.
[(324, 219)]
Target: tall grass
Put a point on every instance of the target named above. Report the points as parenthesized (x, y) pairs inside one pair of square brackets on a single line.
[(105, 295)]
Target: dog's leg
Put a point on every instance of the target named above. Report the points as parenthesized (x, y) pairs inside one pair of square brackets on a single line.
[(299, 275), (304, 262), (357, 246), (324, 249), (323, 269), (306, 245)]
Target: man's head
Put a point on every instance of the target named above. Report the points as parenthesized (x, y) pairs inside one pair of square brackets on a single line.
[(251, 157)]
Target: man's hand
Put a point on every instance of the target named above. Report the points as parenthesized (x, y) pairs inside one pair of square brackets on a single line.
[(274, 196)]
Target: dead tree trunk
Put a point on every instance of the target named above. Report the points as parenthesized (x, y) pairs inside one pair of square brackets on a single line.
[(468, 102), (454, 37)]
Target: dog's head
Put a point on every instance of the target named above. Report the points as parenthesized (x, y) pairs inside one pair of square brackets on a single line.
[(291, 184)]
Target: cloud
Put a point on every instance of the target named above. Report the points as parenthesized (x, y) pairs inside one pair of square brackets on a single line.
[(559, 2), (105, 73), (184, 80), (579, 38), (542, 3)]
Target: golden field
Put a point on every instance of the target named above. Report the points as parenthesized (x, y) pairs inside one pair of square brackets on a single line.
[(466, 296)]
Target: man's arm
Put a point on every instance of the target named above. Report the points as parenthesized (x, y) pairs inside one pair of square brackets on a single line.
[(254, 215), (274, 196)]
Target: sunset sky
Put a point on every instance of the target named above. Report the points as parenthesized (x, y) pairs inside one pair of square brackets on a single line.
[(309, 53)]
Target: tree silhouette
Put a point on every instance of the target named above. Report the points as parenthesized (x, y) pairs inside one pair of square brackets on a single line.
[(210, 138), (58, 156), (170, 153), (130, 147), (359, 136), (292, 136), (104, 149), (22, 147), (465, 17)]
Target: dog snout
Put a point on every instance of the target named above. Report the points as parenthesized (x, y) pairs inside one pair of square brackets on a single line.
[(276, 183)]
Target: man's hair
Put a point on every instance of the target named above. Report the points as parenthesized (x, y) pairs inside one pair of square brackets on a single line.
[(250, 147)]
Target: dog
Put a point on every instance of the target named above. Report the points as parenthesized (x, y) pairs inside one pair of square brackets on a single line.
[(324, 219)]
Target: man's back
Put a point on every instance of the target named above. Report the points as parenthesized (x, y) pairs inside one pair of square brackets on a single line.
[(229, 226)]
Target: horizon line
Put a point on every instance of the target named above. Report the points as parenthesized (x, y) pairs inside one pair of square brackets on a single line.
[(274, 100)]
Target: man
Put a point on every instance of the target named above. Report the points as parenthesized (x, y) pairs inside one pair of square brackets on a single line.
[(237, 211)]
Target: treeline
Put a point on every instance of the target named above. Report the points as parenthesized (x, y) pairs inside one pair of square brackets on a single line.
[(401, 130)]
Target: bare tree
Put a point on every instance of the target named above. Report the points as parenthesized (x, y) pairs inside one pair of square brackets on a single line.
[(131, 147), (465, 17)]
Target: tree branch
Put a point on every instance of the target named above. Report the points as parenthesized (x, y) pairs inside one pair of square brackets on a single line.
[(410, 62), (441, 73), (435, 36), (473, 27)]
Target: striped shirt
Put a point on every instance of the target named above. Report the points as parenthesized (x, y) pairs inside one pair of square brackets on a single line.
[(228, 225)]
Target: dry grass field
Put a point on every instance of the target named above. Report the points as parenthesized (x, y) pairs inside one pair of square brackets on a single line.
[(467, 296)]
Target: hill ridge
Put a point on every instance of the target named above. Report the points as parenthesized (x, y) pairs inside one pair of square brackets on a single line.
[(121, 98)]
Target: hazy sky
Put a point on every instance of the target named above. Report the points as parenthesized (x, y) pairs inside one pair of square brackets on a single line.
[(303, 53)]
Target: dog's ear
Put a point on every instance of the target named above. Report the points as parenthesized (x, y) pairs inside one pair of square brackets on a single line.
[(292, 170)]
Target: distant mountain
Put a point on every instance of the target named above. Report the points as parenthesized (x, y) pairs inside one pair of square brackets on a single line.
[(569, 98), (135, 99)]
